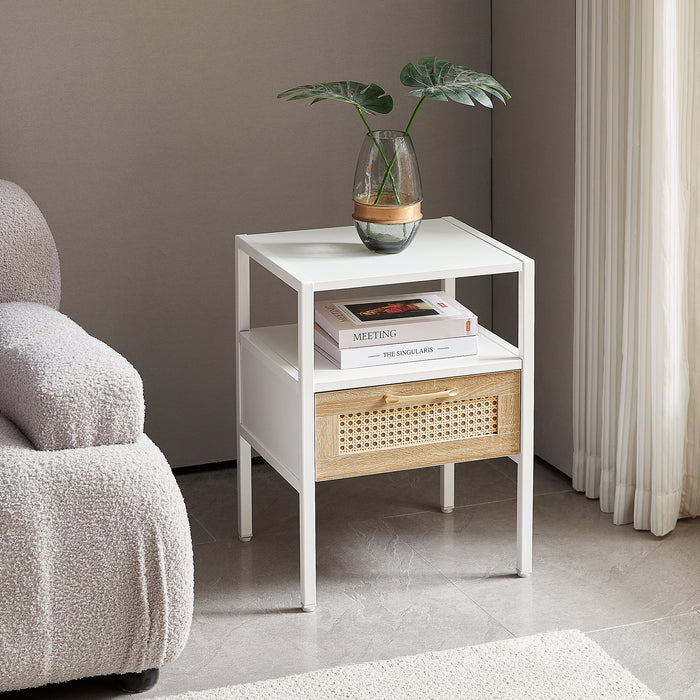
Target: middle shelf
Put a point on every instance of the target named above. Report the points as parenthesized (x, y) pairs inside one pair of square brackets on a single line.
[(278, 346)]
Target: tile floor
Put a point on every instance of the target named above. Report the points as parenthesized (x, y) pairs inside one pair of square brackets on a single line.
[(396, 576)]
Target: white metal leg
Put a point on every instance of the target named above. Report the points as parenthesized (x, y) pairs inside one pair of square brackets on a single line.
[(524, 516), (307, 492), (447, 471), (447, 487), (245, 492), (526, 345)]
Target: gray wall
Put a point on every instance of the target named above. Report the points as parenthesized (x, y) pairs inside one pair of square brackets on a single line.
[(149, 134), (533, 195)]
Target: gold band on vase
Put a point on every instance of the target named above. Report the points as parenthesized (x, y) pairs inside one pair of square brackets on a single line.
[(379, 214)]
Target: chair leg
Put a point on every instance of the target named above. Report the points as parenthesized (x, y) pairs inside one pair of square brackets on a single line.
[(137, 682)]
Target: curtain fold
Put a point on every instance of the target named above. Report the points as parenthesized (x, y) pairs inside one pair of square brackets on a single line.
[(637, 260)]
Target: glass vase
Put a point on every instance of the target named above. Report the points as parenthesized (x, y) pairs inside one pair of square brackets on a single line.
[(387, 192)]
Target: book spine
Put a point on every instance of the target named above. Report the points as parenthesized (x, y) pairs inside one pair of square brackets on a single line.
[(350, 358), (392, 333)]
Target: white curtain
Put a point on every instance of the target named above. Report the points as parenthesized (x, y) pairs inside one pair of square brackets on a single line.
[(637, 287)]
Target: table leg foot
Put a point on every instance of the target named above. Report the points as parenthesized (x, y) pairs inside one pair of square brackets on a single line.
[(524, 574), (245, 539), (447, 487), (307, 547)]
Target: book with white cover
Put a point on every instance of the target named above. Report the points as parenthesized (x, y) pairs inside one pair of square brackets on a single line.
[(350, 358), (400, 318)]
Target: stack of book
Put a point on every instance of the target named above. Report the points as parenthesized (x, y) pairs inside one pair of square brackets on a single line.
[(401, 328)]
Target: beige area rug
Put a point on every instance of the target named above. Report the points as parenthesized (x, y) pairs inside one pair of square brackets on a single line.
[(552, 665)]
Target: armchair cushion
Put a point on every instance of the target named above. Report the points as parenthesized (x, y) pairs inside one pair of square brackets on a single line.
[(95, 561), (62, 387)]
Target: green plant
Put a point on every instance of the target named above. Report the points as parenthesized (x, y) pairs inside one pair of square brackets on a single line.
[(430, 78)]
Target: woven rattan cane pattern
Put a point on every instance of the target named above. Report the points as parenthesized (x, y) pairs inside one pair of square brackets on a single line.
[(404, 426)]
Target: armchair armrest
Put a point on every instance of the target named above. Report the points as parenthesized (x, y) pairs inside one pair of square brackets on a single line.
[(62, 387)]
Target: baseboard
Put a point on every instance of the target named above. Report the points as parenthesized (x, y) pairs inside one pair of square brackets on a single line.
[(213, 466)]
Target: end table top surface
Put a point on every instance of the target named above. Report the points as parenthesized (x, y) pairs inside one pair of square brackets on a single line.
[(335, 258)]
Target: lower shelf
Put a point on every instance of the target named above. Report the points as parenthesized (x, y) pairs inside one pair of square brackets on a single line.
[(402, 426)]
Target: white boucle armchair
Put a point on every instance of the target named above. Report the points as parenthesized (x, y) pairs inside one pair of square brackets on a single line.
[(96, 573)]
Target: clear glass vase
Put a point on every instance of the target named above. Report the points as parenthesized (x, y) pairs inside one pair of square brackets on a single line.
[(387, 192)]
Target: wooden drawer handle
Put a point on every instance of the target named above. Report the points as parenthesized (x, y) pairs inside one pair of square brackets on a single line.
[(420, 398)]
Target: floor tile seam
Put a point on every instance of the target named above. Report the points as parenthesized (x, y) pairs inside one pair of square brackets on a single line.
[(433, 509), (276, 529), (462, 592), (569, 491), (501, 623), (491, 617), (475, 505), (204, 527), (437, 509), (554, 493), (643, 622)]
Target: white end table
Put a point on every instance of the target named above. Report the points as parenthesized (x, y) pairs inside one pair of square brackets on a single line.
[(291, 400)]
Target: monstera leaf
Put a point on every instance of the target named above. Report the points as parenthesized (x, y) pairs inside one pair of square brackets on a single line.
[(441, 80), (367, 98)]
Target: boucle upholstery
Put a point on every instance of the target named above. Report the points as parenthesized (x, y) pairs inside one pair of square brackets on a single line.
[(62, 387), (96, 574), (29, 269), (95, 561)]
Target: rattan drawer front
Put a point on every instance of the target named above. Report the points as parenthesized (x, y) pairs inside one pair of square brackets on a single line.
[(402, 426)]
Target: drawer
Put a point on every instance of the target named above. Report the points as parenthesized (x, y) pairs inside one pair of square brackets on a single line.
[(402, 426)]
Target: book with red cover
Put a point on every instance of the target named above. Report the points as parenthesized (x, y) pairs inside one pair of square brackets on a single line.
[(400, 318)]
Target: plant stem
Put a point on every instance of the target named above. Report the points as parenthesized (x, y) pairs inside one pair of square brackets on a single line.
[(393, 160), (386, 162), (413, 116)]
